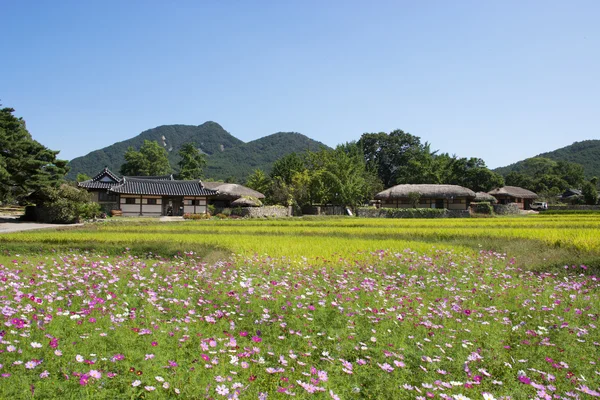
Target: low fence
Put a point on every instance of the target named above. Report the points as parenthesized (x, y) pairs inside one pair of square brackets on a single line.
[(371, 212)]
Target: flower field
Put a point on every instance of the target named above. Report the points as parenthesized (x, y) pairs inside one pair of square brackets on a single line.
[(426, 318)]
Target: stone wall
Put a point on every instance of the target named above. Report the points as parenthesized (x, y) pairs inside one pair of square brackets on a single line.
[(260, 212), (371, 212), (507, 209)]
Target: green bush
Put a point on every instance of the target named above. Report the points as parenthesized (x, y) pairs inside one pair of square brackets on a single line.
[(403, 212), (226, 211), (483, 207), (212, 210), (221, 216), (64, 205)]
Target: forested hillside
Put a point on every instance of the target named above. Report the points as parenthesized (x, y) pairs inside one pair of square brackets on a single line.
[(585, 153), (227, 156)]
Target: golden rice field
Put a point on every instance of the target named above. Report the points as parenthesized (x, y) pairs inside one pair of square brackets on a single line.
[(538, 236)]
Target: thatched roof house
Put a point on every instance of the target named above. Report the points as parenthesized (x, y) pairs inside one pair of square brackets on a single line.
[(483, 196), (514, 194), (232, 190), (452, 197)]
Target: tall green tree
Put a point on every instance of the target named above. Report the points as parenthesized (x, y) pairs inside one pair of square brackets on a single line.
[(590, 193), (287, 166), (150, 160), (546, 177), (26, 166), (192, 162), (259, 181), (391, 155)]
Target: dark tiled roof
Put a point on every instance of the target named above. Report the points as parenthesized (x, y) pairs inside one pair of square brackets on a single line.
[(97, 185), (162, 187), (154, 178), (104, 180)]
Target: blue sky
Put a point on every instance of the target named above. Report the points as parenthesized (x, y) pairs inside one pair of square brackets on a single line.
[(500, 80)]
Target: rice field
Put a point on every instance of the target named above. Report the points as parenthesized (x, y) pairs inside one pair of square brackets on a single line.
[(571, 238), (333, 308)]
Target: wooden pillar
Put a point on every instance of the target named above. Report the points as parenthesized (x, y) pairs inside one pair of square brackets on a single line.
[(195, 202), (141, 205)]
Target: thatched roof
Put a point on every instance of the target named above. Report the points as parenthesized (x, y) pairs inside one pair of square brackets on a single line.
[(514, 191), (233, 190), (483, 196), (432, 191), (246, 202)]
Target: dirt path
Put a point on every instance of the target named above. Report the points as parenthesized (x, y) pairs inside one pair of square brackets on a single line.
[(9, 224)]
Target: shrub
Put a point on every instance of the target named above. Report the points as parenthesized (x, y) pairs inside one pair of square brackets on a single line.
[(402, 212), (64, 205), (590, 194), (212, 210), (221, 216), (196, 216), (226, 211), (483, 207)]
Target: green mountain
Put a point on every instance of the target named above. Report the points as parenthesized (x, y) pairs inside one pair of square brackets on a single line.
[(586, 153), (226, 155)]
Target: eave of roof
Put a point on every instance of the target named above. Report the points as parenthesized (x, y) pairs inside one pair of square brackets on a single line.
[(152, 187)]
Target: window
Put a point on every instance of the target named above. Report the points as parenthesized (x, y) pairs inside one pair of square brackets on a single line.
[(103, 196), (152, 202), (195, 202), (129, 200)]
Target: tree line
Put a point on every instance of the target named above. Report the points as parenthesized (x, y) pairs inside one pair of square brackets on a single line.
[(350, 174)]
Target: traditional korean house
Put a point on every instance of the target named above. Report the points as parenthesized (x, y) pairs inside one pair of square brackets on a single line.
[(149, 195), (572, 196), (514, 194), (164, 195), (451, 197)]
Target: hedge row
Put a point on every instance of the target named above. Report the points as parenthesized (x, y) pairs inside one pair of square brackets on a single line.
[(371, 212)]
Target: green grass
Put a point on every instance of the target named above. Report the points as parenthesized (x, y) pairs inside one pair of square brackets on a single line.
[(541, 241)]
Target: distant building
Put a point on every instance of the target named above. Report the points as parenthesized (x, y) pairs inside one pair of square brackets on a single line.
[(163, 195), (451, 197), (572, 196), (514, 194)]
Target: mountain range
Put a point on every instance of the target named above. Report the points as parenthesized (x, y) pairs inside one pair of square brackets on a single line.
[(229, 157), (586, 153), (226, 155)]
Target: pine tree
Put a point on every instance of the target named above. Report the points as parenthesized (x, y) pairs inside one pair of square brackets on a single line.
[(26, 166), (192, 162)]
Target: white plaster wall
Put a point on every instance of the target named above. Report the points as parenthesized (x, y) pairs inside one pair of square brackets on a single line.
[(190, 209), (151, 209)]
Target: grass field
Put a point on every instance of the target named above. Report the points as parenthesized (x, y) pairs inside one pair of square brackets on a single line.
[(334, 308)]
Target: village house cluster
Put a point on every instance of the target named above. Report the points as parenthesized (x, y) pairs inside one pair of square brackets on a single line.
[(163, 195)]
